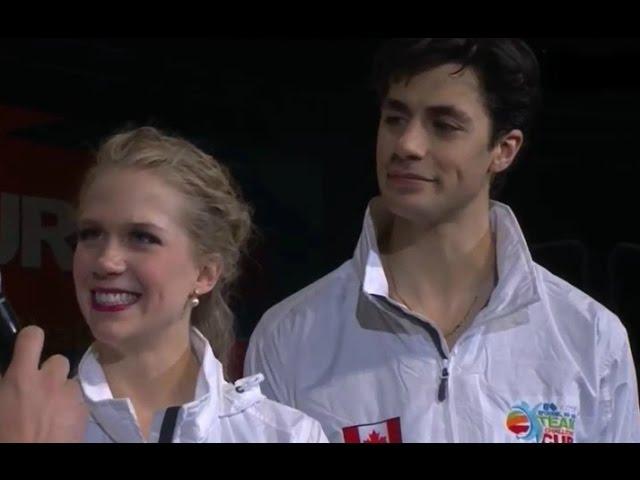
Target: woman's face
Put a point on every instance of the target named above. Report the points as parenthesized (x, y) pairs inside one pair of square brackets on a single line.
[(134, 267)]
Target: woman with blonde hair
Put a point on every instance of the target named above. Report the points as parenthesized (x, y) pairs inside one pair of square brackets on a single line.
[(160, 232)]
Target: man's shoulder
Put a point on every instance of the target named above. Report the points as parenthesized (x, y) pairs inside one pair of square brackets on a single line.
[(315, 300)]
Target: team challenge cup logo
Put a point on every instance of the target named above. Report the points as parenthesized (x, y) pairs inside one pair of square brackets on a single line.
[(543, 423)]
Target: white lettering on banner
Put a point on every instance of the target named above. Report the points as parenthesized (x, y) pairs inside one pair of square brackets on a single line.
[(9, 226), (34, 232)]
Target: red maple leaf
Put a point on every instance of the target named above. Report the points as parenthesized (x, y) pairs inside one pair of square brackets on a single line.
[(374, 437)]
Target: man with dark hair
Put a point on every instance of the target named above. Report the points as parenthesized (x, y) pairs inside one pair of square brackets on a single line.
[(441, 327)]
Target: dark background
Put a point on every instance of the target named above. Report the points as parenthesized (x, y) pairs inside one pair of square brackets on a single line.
[(295, 119)]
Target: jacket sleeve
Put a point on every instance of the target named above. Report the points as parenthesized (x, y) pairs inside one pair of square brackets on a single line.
[(269, 353), (311, 432), (619, 410)]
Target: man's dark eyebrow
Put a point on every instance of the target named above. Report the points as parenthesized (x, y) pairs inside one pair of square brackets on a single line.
[(449, 111), (396, 105)]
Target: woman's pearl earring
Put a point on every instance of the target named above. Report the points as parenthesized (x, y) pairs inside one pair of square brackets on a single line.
[(194, 299)]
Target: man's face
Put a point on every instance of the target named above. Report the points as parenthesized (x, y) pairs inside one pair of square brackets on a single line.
[(433, 152)]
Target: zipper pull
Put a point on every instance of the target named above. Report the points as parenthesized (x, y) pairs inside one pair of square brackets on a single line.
[(248, 383), (444, 378)]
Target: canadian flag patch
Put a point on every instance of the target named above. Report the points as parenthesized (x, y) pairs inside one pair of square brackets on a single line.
[(386, 431)]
